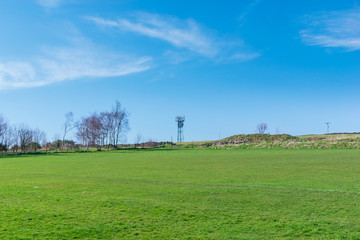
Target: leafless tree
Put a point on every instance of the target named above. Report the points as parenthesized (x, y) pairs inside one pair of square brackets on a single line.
[(68, 125), (3, 126), (38, 137), (150, 144), (10, 138), (104, 129), (261, 128), (94, 126), (90, 130), (4, 129), (56, 142), (81, 132), (138, 140), (118, 123), (47, 145), (14, 139), (5, 135), (19, 137), (25, 137), (44, 142)]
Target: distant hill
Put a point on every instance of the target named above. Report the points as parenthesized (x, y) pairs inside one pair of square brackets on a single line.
[(257, 138)]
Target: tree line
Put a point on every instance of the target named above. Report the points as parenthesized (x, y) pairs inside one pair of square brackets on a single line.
[(104, 129), (100, 130), (20, 138)]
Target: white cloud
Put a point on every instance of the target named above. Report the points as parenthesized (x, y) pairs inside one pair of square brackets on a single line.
[(67, 63), (340, 29), (49, 3), (185, 34)]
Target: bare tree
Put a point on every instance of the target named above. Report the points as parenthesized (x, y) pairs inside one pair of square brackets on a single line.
[(37, 139), (138, 140), (44, 141), (261, 128), (68, 125), (4, 135), (90, 130), (14, 142), (119, 123), (3, 127), (21, 137), (47, 145), (25, 137), (150, 143), (94, 127), (81, 132), (104, 129)]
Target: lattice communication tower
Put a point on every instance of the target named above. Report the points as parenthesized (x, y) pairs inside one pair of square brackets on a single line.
[(180, 121), (327, 127)]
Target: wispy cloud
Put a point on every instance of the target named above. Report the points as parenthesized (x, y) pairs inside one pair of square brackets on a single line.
[(185, 34), (340, 29), (57, 64), (248, 9), (49, 3)]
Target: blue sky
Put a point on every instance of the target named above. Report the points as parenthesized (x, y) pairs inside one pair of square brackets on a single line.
[(225, 65)]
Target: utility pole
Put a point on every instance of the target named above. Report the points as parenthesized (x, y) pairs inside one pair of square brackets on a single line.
[(327, 127)]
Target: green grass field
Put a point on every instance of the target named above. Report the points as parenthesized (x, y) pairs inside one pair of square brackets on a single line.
[(182, 194)]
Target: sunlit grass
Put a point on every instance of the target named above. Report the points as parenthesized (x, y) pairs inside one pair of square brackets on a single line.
[(182, 194)]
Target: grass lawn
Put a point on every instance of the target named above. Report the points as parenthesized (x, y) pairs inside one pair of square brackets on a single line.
[(182, 194)]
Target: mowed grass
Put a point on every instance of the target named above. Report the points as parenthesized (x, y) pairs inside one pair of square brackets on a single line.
[(182, 194)]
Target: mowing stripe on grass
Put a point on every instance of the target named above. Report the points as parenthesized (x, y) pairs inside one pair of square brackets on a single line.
[(195, 184)]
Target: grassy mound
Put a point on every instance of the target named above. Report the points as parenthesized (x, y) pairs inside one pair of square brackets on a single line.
[(280, 141), (258, 138)]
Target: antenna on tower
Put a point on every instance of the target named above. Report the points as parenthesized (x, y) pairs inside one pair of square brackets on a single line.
[(180, 121), (327, 127)]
